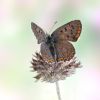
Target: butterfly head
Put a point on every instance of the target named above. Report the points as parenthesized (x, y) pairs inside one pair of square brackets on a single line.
[(48, 39)]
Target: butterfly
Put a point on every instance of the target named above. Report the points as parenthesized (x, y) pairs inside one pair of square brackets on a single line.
[(57, 46)]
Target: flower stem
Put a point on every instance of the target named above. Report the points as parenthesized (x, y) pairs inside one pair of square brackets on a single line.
[(58, 91)]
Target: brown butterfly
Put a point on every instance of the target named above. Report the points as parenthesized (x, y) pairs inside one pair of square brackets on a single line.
[(56, 47)]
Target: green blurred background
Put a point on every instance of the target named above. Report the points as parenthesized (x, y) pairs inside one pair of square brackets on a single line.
[(18, 43)]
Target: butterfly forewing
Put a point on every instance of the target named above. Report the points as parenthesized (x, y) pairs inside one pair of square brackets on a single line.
[(70, 31), (38, 32), (64, 51)]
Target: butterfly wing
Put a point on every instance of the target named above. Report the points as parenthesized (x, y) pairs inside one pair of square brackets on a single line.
[(38, 32), (70, 31), (64, 51), (46, 53)]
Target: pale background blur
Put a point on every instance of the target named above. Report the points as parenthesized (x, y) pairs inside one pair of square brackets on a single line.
[(18, 43)]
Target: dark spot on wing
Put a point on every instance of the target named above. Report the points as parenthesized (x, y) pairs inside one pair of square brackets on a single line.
[(67, 36), (61, 31), (72, 26), (71, 32), (65, 29), (74, 38)]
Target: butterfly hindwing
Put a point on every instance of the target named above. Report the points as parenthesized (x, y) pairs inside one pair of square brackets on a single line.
[(70, 31), (64, 51), (38, 32), (46, 53)]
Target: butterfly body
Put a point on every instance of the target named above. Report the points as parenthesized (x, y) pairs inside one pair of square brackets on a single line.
[(56, 47), (50, 44)]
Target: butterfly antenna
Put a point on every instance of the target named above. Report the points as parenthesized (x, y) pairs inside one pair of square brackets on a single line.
[(53, 26)]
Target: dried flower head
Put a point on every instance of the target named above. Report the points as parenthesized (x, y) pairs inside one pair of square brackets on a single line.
[(52, 72)]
